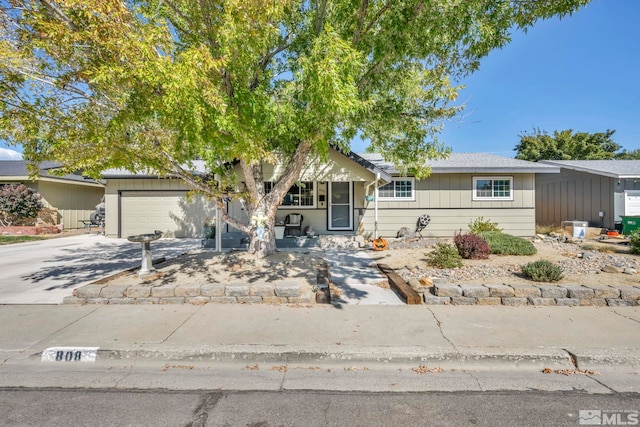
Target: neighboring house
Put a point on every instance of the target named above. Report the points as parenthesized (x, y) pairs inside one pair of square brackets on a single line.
[(334, 197), (596, 191), (73, 196)]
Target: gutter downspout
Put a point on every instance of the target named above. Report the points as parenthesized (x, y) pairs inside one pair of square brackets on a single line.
[(375, 209)]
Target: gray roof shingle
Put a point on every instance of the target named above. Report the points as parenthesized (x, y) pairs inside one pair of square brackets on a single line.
[(472, 163), (610, 168), (18, 168)]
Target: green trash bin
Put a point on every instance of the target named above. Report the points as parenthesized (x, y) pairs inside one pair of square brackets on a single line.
[(630, 224)]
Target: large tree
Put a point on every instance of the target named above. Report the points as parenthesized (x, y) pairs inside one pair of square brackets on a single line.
[(156, 84), (567, 145)]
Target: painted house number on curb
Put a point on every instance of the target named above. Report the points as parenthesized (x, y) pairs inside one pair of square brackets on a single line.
[(69, 354)]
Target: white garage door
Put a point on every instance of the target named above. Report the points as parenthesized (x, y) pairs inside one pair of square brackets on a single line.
[(168, 211)]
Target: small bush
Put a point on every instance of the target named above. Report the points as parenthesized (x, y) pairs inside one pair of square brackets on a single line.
[(18, 202), (480, 225), (634, 242), (471, 246), (542, 271), (444, 255), (506, 244)]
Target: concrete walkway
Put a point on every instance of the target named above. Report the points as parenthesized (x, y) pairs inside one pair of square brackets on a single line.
[(445, 336), (356, 275)]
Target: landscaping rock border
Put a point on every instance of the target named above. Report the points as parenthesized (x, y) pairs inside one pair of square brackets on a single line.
[(535, 295)]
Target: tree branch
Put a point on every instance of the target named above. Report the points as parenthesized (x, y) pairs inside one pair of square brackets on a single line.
[(360, 21)]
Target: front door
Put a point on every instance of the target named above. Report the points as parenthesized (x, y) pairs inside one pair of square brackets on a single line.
[(340, 206)]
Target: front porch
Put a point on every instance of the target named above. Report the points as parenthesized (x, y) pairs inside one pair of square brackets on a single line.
[(239, 241)]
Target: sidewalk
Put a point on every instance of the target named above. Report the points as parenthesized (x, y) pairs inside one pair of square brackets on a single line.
[(446, 336)]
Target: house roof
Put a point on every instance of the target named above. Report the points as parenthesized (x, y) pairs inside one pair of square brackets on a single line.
[(471, 163), (198, 168), (17, 170), (612, 168)]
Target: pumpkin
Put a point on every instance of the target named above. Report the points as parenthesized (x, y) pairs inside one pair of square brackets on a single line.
[(380, 244)]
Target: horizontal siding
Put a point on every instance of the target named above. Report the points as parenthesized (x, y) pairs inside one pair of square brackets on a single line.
[(446, 222)]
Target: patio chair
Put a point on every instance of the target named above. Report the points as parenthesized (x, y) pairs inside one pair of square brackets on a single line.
[(293, 222)]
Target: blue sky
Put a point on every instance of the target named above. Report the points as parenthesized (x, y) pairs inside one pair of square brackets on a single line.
[(580, 73)]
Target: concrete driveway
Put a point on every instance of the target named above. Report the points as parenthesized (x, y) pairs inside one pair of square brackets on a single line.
[(45, 271)]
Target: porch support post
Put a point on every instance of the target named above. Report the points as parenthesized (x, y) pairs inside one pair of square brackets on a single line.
[(375, 198), (218, 230)]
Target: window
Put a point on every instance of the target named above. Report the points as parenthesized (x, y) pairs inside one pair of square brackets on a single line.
[(300, 195), (493, 188), (398, 189)]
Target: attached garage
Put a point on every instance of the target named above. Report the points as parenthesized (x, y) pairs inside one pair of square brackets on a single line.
[(143, 205)]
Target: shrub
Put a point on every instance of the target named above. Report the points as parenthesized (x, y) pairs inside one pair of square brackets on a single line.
[(634, 242), (18, 202), (444, 255), (506, 244), (480, 225), (542, 271), (471, 246)]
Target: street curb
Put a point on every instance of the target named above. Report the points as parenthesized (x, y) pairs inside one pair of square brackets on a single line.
[(490, 358)]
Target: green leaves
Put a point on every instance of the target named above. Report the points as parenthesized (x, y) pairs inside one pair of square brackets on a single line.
[(567, 145)]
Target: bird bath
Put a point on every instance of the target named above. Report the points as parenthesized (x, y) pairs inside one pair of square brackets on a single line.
[(145, 239)]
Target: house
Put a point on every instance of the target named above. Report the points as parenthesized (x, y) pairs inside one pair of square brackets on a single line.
[(347, 194), (595, 191), (74, 197)]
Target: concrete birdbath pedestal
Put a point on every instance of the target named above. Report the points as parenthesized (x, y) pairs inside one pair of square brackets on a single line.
[(145, 239)]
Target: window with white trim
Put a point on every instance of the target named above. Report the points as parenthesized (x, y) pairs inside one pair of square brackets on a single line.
[(301, 194), (493, 188), (398, 189)]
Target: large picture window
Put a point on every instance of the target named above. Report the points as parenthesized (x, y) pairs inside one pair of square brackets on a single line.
[(398, 189), (493, 188)]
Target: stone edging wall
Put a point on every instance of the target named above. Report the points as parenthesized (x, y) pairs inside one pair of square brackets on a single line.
[(536, 295), (285, 291)]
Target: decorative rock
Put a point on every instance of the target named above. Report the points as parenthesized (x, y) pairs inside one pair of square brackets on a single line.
[(188, 291), (163, 291), (212, 290), (73, 300), (614, 302), (89, 291), (237, 290), (287, 288), (489, 301), (629, 270), (525, 291), (542, 301), (515, 301), (599, 302), (113, 291), (572, 302), (406, 232), (630, 293), (500, 290), (147, 300), (611, 269), (446, 290), (587, 255), (197, 300), (551, 291), (122, 301), (138, 292), (434, 300), (97, 301), (581, 292), (463, 301), (172, 300), (250, 300), (224, 300), (605, 291), (261, 290), (474, 291)]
